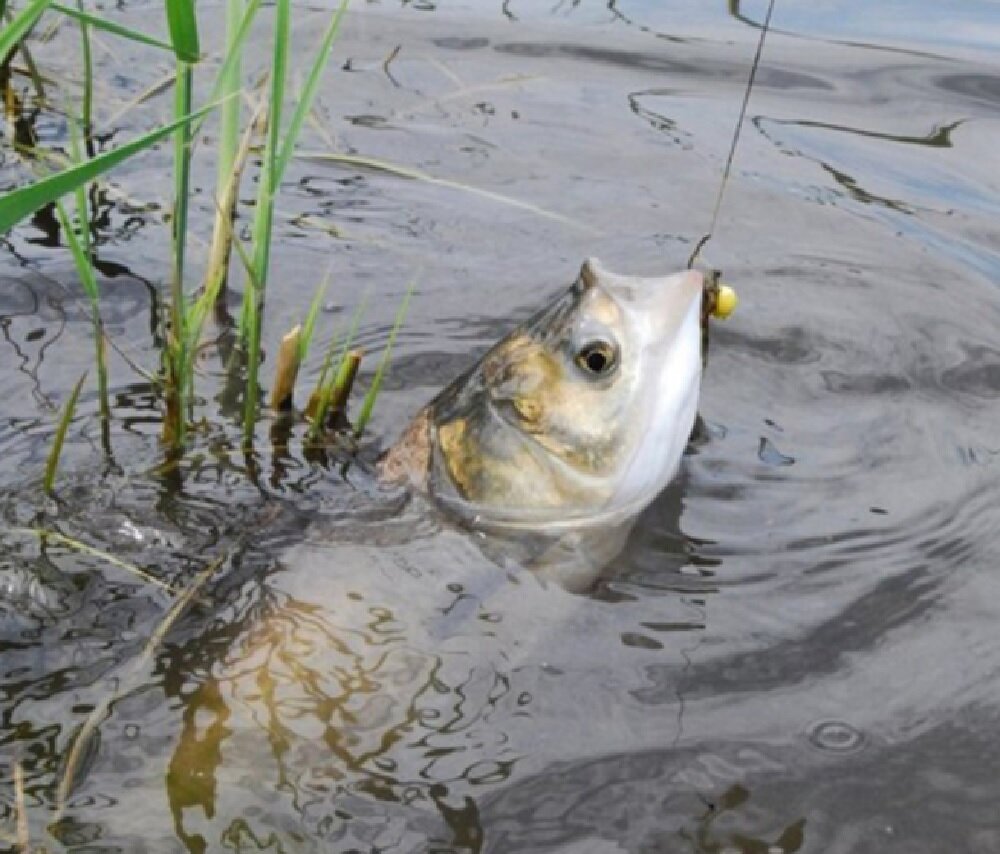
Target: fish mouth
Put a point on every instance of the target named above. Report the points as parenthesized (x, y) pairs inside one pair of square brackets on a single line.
[(661, 302)]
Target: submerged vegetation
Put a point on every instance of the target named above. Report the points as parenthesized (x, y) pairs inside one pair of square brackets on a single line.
[(259, 123)]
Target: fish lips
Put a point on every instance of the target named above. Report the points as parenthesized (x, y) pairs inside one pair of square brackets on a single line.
[(660, 303)]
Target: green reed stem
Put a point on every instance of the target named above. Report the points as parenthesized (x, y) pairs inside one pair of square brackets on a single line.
[(368, 405), (229, 80), (83, 258), (55, 452), (99, 23), (179, 370), (309, 324), (87, 107), (183, 25), (326, 384), (85, 270), (82, 208), (308, 94), (264, 219), (233, 56), (228, 149)]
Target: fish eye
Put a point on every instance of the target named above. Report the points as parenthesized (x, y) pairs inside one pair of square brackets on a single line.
[(597, 358)]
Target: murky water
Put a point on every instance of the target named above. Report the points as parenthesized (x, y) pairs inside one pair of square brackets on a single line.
[(799, 649)]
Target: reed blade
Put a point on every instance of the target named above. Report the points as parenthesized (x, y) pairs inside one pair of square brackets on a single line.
[(178, 354), (230, 159), (220, 251), (253, 302), (333, 395), (309, 324), (55, 452), (18, 28), (87, 105), (308, 93), (319, 400), (233, 58), (368, 405), (183, 25), (24, 201), (85, 270), (99, 23)]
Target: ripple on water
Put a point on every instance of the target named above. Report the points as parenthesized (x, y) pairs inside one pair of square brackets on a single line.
[(798, 647)]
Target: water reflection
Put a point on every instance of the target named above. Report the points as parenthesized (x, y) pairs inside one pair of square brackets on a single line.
[(797, 649)]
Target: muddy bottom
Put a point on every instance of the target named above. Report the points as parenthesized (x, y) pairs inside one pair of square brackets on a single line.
[(798, 649)]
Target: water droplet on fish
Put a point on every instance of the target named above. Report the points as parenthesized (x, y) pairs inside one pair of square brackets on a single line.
[(768, 454)]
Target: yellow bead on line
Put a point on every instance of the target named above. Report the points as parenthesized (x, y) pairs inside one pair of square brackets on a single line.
[(725, 302)]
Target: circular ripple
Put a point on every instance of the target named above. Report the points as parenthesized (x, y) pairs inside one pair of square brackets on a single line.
[(836, 737)]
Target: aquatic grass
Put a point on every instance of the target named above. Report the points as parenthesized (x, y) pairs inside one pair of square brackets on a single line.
[(85, 270), (252, 316), (178, 357), (178, 380), (231, 60), (12, 40), (229, 83), (319, 405), (308, 94), (178, 364), (309, 323), (80, 249), (231, 156), (223, 241), (368, 404), (186, 314), (333, 396), (55, 452), (277, 153)]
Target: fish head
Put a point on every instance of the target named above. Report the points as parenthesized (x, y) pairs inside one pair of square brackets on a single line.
[(580, 414)]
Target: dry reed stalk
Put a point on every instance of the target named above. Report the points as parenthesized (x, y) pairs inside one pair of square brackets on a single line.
[(286, 370), (23, 838), (45, 535), (124, 683)]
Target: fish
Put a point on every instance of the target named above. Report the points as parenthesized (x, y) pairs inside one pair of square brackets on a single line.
[(568, 427)]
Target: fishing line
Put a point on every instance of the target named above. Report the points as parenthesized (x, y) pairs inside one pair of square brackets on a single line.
[(736, 137)]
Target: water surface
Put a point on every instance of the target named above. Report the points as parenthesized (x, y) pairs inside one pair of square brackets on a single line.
[(798, 650)]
